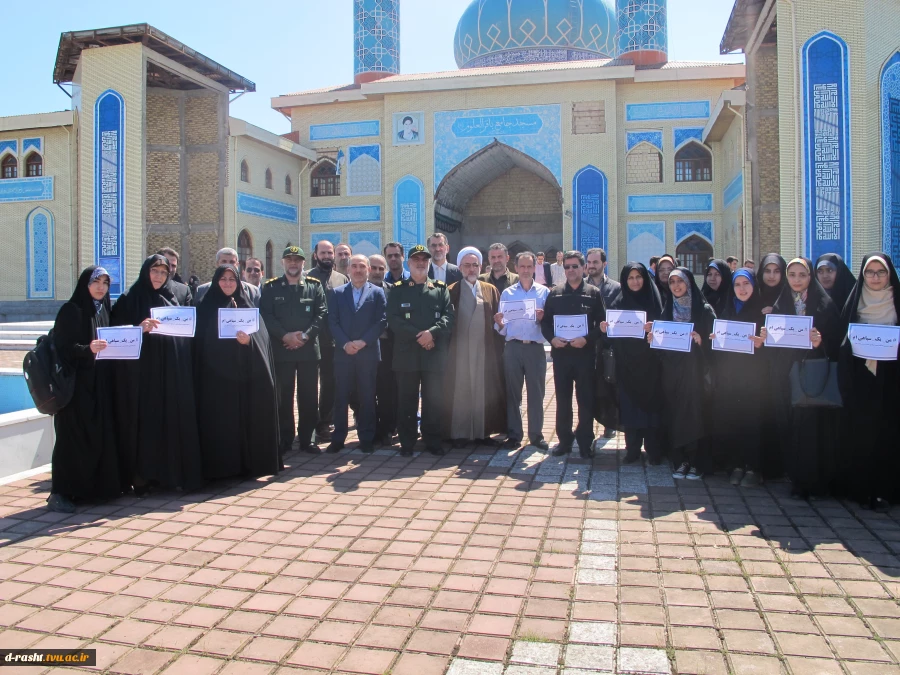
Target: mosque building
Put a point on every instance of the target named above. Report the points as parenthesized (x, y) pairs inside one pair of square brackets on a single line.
[(565, 126)]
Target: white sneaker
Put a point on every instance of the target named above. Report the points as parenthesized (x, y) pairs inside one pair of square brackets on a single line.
[(693, 474), (682, 471)]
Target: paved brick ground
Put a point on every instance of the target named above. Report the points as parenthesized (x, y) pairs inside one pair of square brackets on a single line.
[(479, 563)]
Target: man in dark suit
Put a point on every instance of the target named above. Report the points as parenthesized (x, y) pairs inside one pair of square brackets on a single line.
[(606, 400), (357, 319), (440, 269), (542, 272), (228, 256)]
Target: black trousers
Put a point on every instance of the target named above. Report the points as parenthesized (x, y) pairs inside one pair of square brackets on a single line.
[(386, 393), (355, 376), (306, 374), (326, 382), (577, 372), (649, 438), (408, 385)]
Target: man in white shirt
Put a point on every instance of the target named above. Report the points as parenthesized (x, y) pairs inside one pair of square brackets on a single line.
[(440, 269), (523, 358), (557, 270)]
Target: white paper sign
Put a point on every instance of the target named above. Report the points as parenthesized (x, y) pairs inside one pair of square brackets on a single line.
[(519, 310), (233, 320), (570, 326), (122, 343), (874, 342), (175, 321), (625, 323), (788, 331), (671, 336), (733, 336)]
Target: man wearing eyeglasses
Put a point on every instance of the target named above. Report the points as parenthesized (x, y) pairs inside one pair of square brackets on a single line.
[(253, 271), (576, 303)]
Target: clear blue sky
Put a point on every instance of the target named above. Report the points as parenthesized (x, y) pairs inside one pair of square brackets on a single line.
[(282, 46)]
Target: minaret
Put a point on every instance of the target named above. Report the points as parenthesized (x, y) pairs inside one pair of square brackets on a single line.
[(376, 31), (642, 37)]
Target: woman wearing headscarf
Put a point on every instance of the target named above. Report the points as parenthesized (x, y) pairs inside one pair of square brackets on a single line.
[(740, 389), (664, 267), (156, 416), (835, 277), (637, 368), (717, 285), (871, 389), (234, 382), (84, 463), (683, 376), (811, 435), (771, 280)]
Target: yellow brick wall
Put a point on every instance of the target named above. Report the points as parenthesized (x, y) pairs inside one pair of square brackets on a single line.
[(163, 187), (201, 119), (58, 155), (204, 245), (163, 118), (517, 191), (643, 165), (203, 188)]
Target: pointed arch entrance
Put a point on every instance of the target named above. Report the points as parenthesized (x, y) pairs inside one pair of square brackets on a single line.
[(500, 194)]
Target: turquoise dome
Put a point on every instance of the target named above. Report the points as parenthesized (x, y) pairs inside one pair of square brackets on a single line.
[(505, 32)]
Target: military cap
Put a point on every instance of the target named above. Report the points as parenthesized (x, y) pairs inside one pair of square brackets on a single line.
[(293, 250), (418, 249)]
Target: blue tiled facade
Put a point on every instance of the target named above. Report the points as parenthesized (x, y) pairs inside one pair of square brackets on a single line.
[(266, 208), (39, 254), (409, 212), (642, 26), (682, 135), (633, 138), (345, 214), (677, 203), (890, 156), (376, 28), (590, 200), (687, 228), (109, 187), (330, 132), (675, 110)]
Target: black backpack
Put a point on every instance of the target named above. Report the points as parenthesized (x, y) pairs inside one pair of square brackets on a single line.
[(50, 384)]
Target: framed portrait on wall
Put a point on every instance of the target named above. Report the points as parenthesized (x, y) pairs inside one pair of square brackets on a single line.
[(409, 128)]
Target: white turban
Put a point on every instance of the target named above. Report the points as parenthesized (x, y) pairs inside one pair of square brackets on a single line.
[(469, 250)]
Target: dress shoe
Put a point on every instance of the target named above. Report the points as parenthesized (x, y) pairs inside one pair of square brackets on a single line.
[(487, 442), (438, 452), (323, 435), (334, 448), (561, 450), (540, 444), (367, 448), (585, 454), (60, 503), (511, 444), (312, 449), (609, 433), (406, 453)]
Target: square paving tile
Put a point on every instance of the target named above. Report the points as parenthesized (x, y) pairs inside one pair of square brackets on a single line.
[(535, 653)]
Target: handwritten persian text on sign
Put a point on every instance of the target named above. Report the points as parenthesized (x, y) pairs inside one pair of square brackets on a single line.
[(174, 321), (233, 320), (519, 310), (625, 323), (733, 336), (122, 343), (874, 342), (788, 331), (672, 336), (570, 326)]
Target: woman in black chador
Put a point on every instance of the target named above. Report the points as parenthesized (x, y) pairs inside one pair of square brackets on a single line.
[(637, 369), (835, 277), (683, 378), (811, 434), (871, 389), (717, 285), (771, 280), (84, 464), (156, 410), (740, 389), (234, 382)]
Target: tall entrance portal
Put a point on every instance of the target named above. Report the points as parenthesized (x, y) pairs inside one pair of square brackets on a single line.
[(500, 194)]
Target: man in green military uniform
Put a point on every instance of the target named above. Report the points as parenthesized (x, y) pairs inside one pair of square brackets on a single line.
[(293, 308), (421, 317)]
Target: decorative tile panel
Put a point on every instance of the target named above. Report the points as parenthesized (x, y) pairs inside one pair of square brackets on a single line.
[(681, 135), (702, 228), (39, 254), (646, 240), (376, 29), (109, 187), (345, 214), (366, 243), (534, 130), (409, 212), (26, 189), (330, 132), (683, 203), (11, 145), (890, 156), (364, 170), (590, 221), (266, 208), (734, 190), (32, 144), (675, 110), (316, 237), (633, 138), (643, 26), (826, 134)]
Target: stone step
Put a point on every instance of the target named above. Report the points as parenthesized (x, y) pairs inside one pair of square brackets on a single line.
[(16, 345), (39, 327)]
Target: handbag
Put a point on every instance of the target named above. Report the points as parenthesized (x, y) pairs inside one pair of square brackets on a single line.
[(814, 384), (609, 365)]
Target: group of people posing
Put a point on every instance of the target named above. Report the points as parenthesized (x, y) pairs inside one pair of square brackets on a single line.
[(388, 337)]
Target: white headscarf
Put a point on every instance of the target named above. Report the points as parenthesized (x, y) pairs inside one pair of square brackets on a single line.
[(469, 250), (877, 307)]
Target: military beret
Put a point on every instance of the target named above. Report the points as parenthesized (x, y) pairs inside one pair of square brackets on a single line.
[(293, 250)]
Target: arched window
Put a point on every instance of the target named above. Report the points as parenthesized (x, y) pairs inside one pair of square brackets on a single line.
[(694, 253), (245, 171), (268, 179), (270, 258), (643, 165), (325, 181), (9, 167), (693, 163), (34, 165), (245, 248), (288, 186)]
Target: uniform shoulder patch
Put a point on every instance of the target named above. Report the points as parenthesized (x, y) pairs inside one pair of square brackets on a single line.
[(440, 284), (397, 283), (273, 279), (314, 280)]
